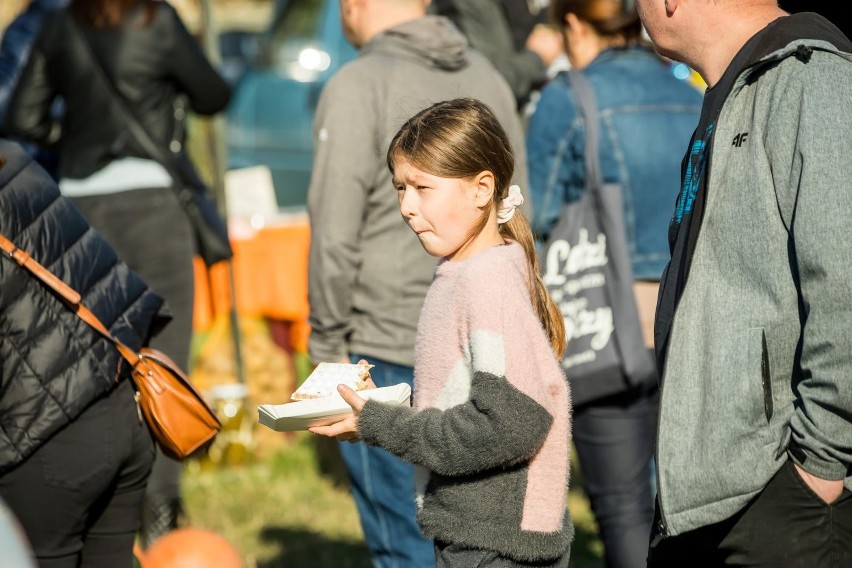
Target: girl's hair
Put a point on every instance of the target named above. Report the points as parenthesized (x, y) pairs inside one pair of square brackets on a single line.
[(109, 13), (462, 138), (612, 19)]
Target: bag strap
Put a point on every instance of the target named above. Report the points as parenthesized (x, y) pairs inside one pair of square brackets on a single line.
[(134, 125), (591, 120), (70, 296)]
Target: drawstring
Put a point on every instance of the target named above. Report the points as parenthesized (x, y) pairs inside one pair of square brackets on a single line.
[(803, 53)]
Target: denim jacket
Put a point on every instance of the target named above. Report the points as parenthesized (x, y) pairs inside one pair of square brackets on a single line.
[(15, 46), (18, 39), (647, 117)]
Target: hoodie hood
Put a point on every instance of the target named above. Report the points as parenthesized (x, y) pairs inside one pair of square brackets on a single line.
[(799, 33), (432, 40)]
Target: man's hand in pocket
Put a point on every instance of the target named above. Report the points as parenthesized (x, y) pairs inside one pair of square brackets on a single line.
[(827, 490)]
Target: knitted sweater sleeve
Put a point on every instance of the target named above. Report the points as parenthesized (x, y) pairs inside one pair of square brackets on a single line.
[(499, 423)]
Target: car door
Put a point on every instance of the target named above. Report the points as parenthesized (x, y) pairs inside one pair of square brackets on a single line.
[(270, 119)]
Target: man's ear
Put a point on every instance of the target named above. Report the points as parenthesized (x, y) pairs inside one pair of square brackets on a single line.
[(346, 5), (484, 189), (571, 21)]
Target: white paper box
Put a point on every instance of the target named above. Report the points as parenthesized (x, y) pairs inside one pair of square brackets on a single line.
[(303, 414)]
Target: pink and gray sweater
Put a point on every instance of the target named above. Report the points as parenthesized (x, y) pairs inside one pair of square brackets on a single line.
[(490, 427)]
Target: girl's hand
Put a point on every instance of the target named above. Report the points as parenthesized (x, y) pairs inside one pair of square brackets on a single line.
[(346, 430)]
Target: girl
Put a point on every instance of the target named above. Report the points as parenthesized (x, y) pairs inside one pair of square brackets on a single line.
[(489, 430)]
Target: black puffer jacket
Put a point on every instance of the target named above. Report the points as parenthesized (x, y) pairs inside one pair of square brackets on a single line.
[(52, 364), (150, 62)]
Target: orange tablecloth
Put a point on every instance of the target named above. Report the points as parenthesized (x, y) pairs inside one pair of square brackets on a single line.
[(270, 280)]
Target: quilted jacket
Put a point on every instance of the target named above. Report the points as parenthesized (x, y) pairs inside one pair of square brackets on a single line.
[(52, 364)]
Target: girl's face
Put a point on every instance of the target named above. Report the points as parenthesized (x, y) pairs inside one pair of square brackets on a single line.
[(443, 212)]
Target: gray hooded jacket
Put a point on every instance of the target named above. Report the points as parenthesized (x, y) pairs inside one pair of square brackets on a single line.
[(759, 364), (368, 272)]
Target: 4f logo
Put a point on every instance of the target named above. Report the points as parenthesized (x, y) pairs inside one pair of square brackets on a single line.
[(740, 139)]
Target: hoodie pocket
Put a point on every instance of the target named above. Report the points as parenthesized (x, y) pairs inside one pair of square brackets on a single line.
[(756, 374), (765, 377), (738, 392)]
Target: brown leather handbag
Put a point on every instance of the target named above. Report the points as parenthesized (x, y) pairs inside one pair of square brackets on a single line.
[(178, 416)]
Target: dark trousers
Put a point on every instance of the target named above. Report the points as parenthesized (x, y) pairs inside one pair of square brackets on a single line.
[(150, 232), (614, 439), (459, 556), (79, 496), (786, 526)]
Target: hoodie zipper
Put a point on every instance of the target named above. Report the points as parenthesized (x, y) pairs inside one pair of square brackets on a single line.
[(662, 525), (662, 528)]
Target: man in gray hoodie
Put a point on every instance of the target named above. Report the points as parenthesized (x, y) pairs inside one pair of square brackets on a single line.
[(368, 272)]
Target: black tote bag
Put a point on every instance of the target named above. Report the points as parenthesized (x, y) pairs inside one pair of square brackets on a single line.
[(586, 268)]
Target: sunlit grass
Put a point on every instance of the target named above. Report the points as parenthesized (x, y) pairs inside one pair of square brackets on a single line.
[(294, 509), (280, 512)]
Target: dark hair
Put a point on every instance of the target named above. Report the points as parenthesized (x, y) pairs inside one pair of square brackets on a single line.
[(462, 138), (109, 13), (609, 18)]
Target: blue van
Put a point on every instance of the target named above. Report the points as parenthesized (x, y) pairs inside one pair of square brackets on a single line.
[(278, 77)]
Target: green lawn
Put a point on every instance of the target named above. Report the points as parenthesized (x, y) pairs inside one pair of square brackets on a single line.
[(294, 509)]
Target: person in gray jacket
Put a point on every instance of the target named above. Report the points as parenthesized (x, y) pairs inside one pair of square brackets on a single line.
[(513, 35), (368, 274), (754, 449)]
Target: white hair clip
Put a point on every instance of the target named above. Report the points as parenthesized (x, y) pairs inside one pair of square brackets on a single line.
[(511, 202)]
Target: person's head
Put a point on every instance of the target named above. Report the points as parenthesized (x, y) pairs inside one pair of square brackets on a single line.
[(590, 26), (108, 13), (705, 34), (452, 166), (364, 19)]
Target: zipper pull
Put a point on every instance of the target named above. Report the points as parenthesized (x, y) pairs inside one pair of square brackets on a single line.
[(659, 534), (136, 398)]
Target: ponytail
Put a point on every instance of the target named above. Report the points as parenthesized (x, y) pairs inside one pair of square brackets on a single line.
[(518, 230)]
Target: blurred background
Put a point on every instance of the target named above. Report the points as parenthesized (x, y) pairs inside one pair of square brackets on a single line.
[(281, 499)]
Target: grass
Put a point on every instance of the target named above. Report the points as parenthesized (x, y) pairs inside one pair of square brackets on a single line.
[(282, 511), (293, 508)]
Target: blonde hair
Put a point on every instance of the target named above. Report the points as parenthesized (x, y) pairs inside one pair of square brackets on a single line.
[(462, 138)]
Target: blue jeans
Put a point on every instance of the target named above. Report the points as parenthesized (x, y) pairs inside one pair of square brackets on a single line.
[(383, 487)]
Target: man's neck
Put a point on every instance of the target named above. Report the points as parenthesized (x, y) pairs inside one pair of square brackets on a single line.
[(388, 19), (712, 59)]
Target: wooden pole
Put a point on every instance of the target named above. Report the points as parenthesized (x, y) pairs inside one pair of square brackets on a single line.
[(214, 129)]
